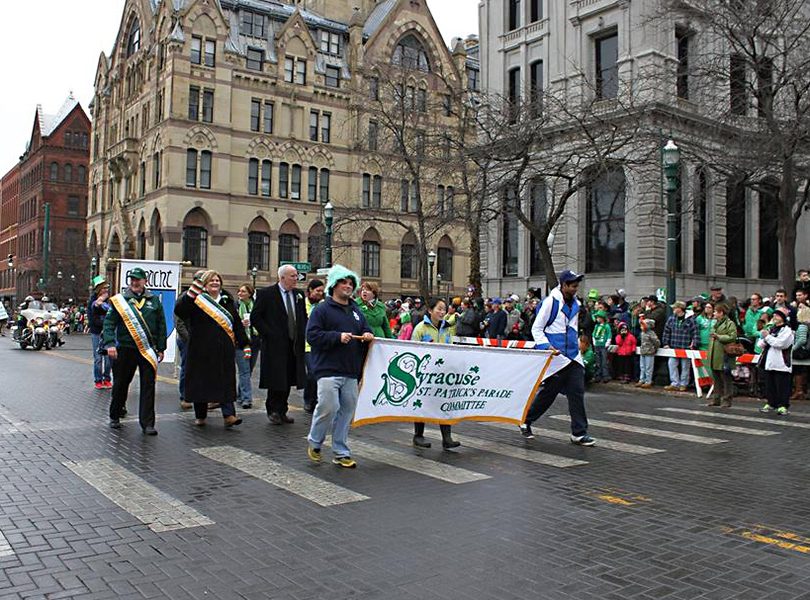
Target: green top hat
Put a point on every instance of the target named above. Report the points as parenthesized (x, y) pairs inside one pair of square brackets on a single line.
[(98, 280)]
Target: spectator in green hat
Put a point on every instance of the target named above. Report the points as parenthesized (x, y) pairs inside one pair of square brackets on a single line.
[(602, 335)]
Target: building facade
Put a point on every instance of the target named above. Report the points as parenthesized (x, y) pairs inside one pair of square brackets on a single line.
[(222, 129), (615, 230), (53, 173), (9, 210)]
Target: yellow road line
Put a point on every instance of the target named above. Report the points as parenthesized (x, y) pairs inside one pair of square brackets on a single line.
[(771, 537)]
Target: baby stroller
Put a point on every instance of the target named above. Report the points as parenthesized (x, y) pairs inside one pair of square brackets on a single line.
[(747, 380)]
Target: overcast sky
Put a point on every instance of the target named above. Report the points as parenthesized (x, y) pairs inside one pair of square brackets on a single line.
[(51, 47)]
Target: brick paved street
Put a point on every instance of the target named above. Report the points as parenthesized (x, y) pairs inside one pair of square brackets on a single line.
[(675, 502)]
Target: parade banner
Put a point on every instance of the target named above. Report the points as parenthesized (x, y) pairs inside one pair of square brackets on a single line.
[(441, 383), (162, 279)]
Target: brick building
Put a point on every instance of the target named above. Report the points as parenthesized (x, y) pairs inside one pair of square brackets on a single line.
[(53, 171), (9, 207)]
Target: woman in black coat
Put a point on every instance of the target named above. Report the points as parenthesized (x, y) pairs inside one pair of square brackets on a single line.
[(211, 369)]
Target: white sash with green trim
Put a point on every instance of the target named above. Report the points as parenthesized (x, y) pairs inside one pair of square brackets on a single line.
[(221, 316), (136, 327)]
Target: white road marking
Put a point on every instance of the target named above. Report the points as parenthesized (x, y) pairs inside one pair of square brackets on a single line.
[(690, 423), (780, 421), (541, 458), (565, 437), (156, 509), (301, 484), (5, 548), (411, 462), (684, 437)]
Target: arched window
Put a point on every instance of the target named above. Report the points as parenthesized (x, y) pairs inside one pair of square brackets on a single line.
[(253, 176), (408, 263), (410, 54), (288, 243), (191, 167), (315, 243), (68, 172), (205, 169), (444, 263), (259, 245), (82, 172), (54, 171), (134, 38), (267, 173), (141, 248), (371, 254), (605, 222), (156, 233), (195, 238), (768, 225)]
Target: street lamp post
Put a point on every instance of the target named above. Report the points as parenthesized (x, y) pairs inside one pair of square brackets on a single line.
[(328, 216), (253, 273), (431, 261), (439, 283), (93, 266), (58, 286), (671, 160)]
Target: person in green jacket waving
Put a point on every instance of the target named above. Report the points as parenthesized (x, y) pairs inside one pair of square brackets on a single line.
[(374, 310)]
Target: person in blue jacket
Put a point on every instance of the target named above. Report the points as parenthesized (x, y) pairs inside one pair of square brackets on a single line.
[(336, 331), (556, 328)]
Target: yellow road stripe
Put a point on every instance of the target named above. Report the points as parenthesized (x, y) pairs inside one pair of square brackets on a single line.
[(87, 361), (771, 537)]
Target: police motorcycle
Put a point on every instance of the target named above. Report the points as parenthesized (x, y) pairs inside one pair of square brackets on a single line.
[(32, 325), (56, 323)]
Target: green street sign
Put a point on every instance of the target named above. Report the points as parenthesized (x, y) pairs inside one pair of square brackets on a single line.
[(301, 267)]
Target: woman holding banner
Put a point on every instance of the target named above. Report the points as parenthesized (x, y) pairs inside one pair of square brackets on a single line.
[(215, 329), (433, 329)]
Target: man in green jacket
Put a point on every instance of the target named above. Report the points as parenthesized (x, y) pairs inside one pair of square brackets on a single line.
[(755, 312), (137, 311)]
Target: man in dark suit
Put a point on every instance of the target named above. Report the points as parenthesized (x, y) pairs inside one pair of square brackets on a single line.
[(280, 317)]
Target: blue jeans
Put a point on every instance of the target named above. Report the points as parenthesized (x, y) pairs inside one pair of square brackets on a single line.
[(181, 347), (569, 381), (101, 362), (679, 371), (646, 366), (337, 399), (601, 362), (245, 394)]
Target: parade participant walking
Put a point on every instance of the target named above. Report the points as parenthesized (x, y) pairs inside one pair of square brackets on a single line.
[(555, 328), (97, 309), (721, 363), (374, 310), (335, 331), (245, 361), (777, 345), (314, 296), (433, 329), (215, 329), (134, 336), (281, 320), (679, 332)]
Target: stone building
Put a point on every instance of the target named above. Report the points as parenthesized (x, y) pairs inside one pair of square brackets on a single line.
[(591, 50), (221, 128), (53, 171)]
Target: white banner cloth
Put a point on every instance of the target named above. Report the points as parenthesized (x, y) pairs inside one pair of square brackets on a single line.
[(441, 383)]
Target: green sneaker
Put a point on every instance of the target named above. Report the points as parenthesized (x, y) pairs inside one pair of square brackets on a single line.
[(766, 409), (782, 411)]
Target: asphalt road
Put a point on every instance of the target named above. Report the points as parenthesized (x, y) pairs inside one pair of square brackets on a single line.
[(675, 501)]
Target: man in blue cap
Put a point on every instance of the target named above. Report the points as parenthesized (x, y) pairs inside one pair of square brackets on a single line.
[(556, 328)]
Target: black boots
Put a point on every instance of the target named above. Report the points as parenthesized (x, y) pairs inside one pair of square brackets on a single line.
[(419, 436), (447, 441)]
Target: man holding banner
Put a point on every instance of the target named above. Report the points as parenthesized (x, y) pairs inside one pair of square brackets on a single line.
[(134, 337), (556, 328)]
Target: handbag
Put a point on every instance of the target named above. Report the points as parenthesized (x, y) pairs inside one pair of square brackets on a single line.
[(734, 349)]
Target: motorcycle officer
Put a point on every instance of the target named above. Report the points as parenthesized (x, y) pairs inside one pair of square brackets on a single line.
[(140, 311)]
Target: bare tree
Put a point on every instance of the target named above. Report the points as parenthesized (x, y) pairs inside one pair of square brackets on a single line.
[(751, 63)]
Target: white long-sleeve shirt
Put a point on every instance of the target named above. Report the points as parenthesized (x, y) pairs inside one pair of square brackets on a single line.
[(783, 340)]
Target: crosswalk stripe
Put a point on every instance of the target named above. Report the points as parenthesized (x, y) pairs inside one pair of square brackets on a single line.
[(793, 413), (541, 458), (690, 423), (565, 437), (417, 464), (156, 509), (301, 484), (5, 548), (724, 415), (684, 437)]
